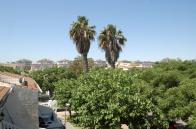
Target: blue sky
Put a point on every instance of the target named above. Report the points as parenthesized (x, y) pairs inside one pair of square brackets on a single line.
[(154, 29)]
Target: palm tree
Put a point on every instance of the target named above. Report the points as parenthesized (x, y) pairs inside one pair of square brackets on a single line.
[(82, 34), (111, 41)]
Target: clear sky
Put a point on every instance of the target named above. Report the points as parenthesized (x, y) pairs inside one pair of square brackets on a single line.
[(154, 29)]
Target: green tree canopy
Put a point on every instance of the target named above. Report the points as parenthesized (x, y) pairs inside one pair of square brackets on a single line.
[(76, 65), (108, 98), (8, 69), (47, 77)]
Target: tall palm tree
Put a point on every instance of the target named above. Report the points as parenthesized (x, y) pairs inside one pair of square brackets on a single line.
[(111, 41), (82, 34)]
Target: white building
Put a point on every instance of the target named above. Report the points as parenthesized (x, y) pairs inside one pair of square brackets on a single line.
[(43, 64), (126, 65), (100, 63), (63, 63)]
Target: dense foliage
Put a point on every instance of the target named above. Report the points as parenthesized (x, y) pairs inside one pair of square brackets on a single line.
[(25, 65), (107, 98), (47, 77), (76, 66), (174, 89), (8, 69), (141, 98)]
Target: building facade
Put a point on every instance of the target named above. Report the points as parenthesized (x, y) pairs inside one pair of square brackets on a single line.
[(126, 65)]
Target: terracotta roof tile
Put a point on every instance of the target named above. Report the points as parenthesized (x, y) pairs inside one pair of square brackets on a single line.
[(30, 82), (3, 91)]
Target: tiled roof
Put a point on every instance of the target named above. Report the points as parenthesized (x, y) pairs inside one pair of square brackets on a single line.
[(31, 84), (3, 91)]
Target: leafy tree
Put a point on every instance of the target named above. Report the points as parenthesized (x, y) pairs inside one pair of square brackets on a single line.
[(82, 34), (179, 102), (63, 91), (24, 61), (174, 90), (47, 77), (192, 120), (108, 98), (45, 61), (168, 79), (24, 65), (140, 98), (149, 74), (111, 41), (8, 69), (76, 66)]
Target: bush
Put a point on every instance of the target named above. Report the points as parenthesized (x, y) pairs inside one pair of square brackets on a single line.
[(47, 77), (108, 98), (8, 69)]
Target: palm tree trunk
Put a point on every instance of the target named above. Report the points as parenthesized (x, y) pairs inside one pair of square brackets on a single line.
[(70, 113), (113, 65), (85, 62)]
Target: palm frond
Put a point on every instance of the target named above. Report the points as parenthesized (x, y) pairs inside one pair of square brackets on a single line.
[(111, 41), (82, 34)]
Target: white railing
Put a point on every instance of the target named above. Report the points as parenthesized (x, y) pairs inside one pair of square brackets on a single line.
[(7, 125)]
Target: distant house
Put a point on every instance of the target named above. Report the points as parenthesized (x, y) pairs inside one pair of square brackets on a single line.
[(45, 61), (136, 64), (20, 65), (126, 65), (100, 63), (18, 102), (42, 64), (35, 67), (23, 65), (63, 63), (147, 64), (12, 65)]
